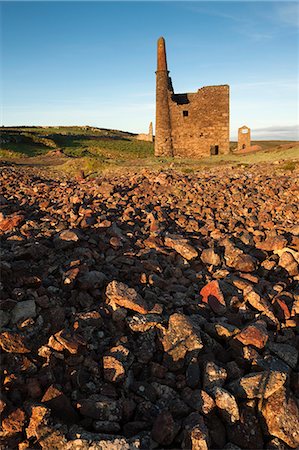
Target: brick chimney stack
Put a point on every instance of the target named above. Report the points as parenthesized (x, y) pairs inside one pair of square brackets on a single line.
[(163, 143)]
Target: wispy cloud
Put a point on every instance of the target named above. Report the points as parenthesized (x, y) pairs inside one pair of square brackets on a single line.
[(277, 132), (288, 13), (278, 84), (244, 24)]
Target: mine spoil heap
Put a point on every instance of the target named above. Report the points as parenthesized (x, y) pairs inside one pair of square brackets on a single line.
[(155, 310)]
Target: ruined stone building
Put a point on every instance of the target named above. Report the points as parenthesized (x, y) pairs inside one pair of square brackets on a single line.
[(146, 137), (189, 125), (244, 138)]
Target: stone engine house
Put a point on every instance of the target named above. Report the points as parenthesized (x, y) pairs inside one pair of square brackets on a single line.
[(189, 125), (244, 138)]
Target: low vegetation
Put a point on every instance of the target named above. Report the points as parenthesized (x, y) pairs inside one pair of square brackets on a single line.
[(95, 150)]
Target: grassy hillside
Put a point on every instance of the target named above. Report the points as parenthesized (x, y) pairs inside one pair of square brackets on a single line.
[(95, 149)]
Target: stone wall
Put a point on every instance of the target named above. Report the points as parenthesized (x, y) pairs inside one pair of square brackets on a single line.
[(244, 140), (190, 125), (146, 137), (200, 122)]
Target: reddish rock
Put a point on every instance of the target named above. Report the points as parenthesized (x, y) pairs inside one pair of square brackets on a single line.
[(281, 308), (120, 294), (10, 222), (273, 243), (181, 246), (281, 415), (255, 335), (212, 295), (245, 263), (289, 263)]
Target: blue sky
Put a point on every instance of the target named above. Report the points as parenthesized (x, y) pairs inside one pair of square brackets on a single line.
[(93, 63)]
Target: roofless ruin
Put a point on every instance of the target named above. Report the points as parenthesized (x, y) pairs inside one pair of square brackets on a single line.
[(189, 125)]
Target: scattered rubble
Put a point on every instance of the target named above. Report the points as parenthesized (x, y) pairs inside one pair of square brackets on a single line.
[(155, 310)]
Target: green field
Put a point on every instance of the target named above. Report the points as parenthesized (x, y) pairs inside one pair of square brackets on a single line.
[(94, 150)]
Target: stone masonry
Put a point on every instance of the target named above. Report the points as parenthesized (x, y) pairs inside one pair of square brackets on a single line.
[(189, 125), (244, 138), (146, 137)]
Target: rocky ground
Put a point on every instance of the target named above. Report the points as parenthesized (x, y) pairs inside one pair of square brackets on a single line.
[(156, 310)]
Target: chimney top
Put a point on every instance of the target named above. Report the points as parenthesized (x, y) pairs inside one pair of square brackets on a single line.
[(161, 54)]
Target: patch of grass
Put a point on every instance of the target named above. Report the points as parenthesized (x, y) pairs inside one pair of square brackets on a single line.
[(290, 165), (98, 150), (20, 150)]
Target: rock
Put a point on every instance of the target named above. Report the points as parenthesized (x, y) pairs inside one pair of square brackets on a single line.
[(23, 310), (276, 444), (195, 433), (245, 263), (289, 263), (193, 374), (255, 335), (225, 330), (59, 403), (199, 400), (91, 280), (14, 422), (281, 416), (4, 319), (33, 388), (120, 294), (258, 385), (255, 300), (145, 361), (13, 342), (116, 363), (101, 426), (164, 429), (227, 405), (213, 376), (9, 223), (273, 243), (246, 432), (212, 295), (217, 432), (286, 352), (100, 408), (142, 323), (39, 417), (65, 340), (69, 235), (209, 256), (181, 246), (181, 337), (66, 239)]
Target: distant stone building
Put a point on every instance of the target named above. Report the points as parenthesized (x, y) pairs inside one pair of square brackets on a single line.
[(189, 125), (244, 142), (146, 137)]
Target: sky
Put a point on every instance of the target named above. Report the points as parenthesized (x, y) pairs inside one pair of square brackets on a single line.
[(93, 63)]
